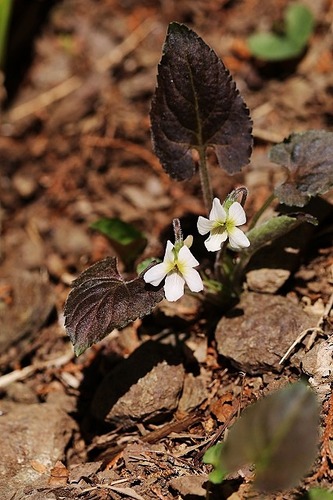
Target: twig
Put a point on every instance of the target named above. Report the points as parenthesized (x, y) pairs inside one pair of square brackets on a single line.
[(17, 375), (324, 317), (129, 492), (317, 330), (297, 341), (217, 435), (152, 437), (73, 83)]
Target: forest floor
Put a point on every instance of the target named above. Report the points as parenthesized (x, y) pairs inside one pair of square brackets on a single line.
[(75, 147)]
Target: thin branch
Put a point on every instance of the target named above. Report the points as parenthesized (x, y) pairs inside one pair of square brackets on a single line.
[(22, 374)]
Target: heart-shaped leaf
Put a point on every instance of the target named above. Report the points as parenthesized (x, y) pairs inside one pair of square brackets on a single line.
[(196, 105), (101, 300), (308, 159), (279, 434)]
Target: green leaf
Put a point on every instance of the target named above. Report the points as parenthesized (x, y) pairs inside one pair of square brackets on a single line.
[(279, 434), (142, 266), (213, 457), (319, 494), (273, 229), (298, 27), (299, 24), (128, 242), (308, 160), (272, 47), (196, 105), (101, 300)]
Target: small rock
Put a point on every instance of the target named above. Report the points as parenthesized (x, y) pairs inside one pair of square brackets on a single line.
[(318, 363), (30, 434), (81, 472), (154, 395), (259, 330), (25, 185), (266, 280), (143, 387), (190, 486)]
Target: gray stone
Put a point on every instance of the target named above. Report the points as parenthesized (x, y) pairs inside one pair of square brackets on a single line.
[(259, 330), (35, 433), (143, 387), (154, 395), (318, 363)]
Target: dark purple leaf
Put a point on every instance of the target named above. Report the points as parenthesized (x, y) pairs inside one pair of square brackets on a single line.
[(196, 105), (101, 300), (279, 434), (308, 159)]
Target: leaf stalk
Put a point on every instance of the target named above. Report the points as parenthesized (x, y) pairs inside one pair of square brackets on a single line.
[(206, 187)]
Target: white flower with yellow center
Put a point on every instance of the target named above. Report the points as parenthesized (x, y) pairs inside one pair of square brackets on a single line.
[(222, 224), (177, 269)]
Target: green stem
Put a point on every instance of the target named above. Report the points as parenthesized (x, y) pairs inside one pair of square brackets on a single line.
[(239, 269), (206, 187), (5, 11), (261, 210), (218, 268)]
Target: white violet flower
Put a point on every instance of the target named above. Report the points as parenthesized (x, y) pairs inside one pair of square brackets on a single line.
[(177, 269), (222, 224)]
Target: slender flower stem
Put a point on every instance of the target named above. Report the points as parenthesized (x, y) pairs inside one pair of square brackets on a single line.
[(261, 210), (177, 229), (205, 180)]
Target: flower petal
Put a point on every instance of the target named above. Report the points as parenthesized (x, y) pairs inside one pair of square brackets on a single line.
[(204, 225), (217, 212), (236, 214), (238, 239), (169, 256), (156, 274), (214, 242), (186, 259), (193, 280), (174, 286)]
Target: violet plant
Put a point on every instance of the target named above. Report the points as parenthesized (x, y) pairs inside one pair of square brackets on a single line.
[(197, 106)]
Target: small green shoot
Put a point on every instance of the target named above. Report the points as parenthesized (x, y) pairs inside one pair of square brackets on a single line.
[(213, 457), (298, 27), (128, 241)]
